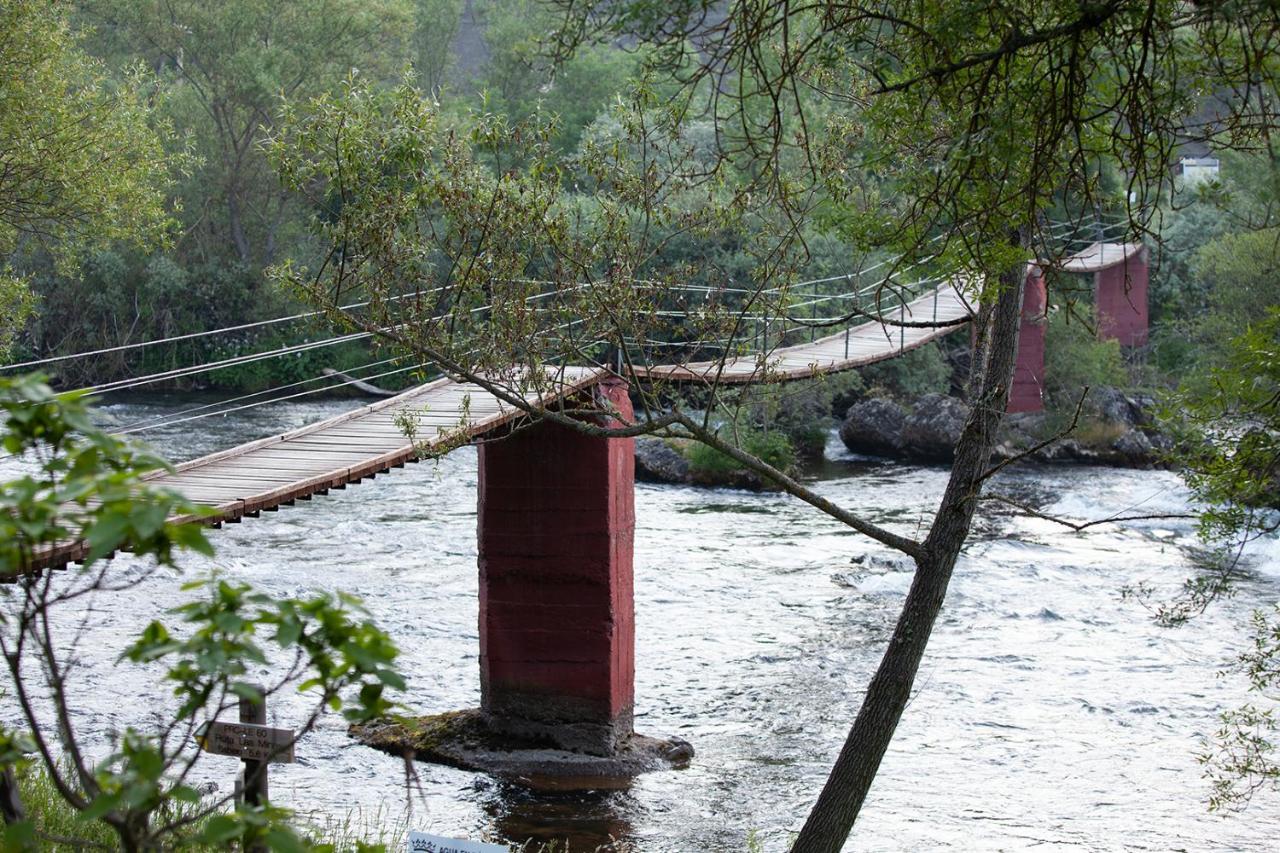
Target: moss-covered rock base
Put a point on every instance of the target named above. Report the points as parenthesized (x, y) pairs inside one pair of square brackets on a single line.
[(463, 739)]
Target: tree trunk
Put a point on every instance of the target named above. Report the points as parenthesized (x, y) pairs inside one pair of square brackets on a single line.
[(10, 800), (235, 219), (833, 816)]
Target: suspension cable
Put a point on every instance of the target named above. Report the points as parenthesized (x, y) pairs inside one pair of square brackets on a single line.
[(159, 419), (268, 402)]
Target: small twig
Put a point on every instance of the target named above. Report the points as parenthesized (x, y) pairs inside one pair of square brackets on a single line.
[(1079, 526), (1061, 434)]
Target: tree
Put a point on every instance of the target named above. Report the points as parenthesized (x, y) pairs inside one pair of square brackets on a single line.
[(947, 129), (228, 66), (1228, 425), (434, 29), (88, 486), (82, 163), (521, 80)]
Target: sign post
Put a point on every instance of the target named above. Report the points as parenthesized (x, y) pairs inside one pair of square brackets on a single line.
[(253, 742), (255, 769)]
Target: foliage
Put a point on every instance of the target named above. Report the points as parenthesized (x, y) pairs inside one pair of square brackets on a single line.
[(226, 67), (88, 486), (801, 411), (435, 26), (521, 82), (83, 163), (1241, 274), (1074, 360), (1228, 428), (1240, 758), (16, 306), (708, 465), (920, 371), (425, 210)]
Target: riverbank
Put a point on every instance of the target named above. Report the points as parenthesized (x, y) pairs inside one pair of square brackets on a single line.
[(1113, 428)]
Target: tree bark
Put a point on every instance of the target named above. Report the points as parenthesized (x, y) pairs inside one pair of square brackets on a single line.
[(235, 219), (10, 800), (833, 816)]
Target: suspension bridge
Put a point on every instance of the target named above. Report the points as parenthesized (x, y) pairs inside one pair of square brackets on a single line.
[(556, 509)]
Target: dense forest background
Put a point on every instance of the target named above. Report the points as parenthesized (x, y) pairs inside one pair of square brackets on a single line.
[(217, 76)]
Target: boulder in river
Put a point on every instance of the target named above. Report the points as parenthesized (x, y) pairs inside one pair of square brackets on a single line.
[(874, 426), (659, 462), (932, 429)]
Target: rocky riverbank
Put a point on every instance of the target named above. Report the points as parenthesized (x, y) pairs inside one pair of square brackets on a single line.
[(1114, 428)]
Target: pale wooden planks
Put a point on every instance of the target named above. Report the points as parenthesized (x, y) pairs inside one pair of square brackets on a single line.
[(275, 471), (854, 347), (1099, 256)]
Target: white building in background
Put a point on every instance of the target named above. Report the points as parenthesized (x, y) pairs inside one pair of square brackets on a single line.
[(1196, 170)]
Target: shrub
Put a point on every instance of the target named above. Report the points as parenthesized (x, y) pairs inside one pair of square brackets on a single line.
[(709, 466), (913, 374), (799, 410), (1075, 358)]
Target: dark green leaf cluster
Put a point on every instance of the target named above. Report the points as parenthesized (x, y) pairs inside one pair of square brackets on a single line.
[(87, 485)]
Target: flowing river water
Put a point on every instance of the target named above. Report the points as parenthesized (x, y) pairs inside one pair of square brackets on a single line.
[(1050, 713)]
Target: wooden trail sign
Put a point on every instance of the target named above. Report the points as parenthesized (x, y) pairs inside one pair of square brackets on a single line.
[(247, 741), (251, 741)]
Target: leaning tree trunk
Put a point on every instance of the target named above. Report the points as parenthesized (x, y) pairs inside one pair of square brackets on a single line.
[(833, 816)]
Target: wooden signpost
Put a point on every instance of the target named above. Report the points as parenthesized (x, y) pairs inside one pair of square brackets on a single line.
[(253, 742)]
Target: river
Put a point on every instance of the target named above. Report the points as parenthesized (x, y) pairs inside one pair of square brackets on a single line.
[(1050, 713)]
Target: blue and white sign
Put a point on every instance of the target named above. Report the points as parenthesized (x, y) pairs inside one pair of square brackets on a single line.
[(421, 842)]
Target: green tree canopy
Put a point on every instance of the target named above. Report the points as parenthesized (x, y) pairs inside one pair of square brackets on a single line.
[(230, 66), (81, 164)]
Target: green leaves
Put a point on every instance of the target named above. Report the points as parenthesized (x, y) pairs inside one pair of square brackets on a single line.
[(86, 164), (341, 650), (1227, 424), (90, 485)]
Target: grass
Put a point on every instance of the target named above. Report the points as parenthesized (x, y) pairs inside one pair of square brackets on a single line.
[(711, 467), (61, 828), (54, 818)]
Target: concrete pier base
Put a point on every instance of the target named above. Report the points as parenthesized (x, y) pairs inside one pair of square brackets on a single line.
[(467, 740), (557, 622)]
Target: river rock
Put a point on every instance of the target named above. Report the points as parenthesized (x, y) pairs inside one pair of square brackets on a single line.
[(932, 429), (1112, 405), (1134, 447), (874, 426), (659, 462)]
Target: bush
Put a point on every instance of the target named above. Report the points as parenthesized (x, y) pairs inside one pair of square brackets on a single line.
[(711, 467), (1075, 358), (799, 410), (913, 374)]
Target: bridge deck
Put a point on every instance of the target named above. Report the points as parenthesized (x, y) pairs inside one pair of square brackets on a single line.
[(357, 445), (1100, 256), (271, 472), (854, 347)]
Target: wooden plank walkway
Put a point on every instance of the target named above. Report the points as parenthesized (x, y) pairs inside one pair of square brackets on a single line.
[(264, 475), (854, 347), (1099, 256), (272, 472)]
